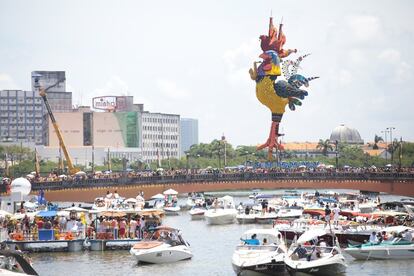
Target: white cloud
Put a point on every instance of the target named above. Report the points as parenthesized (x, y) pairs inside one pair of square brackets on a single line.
[(170, 89), (7, 82), (114, 86), (344, 77), (240, 59), (365, 27), (390, 56)]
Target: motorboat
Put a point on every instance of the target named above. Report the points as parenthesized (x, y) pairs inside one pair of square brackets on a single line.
[(244, 218), (165, 245), (222, 211), (289, 213), (13, 263), (314, 259), (265, 218), (197, 212), (246, 214), (194, 200), (172, 210), (265, 258), (394, 248)]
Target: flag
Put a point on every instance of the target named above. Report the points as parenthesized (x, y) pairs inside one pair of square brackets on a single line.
[(37, 164), (6, 169), (109, 162), (158, 158)]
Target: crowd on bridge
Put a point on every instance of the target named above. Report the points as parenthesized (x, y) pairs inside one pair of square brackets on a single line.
[(54, 176)]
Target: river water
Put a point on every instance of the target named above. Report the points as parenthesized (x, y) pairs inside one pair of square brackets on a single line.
[(212, 247)]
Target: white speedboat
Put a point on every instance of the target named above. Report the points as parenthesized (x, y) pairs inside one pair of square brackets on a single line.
[(289, 213), (164, 246), (197, 212), (314, 260), (244, 218), (263, 258), (172, 210), (265, 218), (395, 248), (222, 211)]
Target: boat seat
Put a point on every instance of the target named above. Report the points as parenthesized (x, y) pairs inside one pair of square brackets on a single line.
[(147, 245)]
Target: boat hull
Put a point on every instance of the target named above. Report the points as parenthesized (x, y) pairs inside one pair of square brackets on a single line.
[(382, 252), (324, 270), (218, 217), (166, 255)]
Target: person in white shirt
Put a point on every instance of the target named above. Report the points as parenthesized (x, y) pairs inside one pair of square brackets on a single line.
[(373, 238), (408, 236), (336, 211)]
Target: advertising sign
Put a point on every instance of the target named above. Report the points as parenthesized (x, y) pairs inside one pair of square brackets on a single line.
[(104, 103)]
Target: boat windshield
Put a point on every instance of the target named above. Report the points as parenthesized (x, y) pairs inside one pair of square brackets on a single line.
[(170, 236), (270, 247), (311, 253)]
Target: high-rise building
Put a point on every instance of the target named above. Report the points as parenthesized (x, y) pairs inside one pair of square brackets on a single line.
[(59, 99), (21, 116), (160, 136), (189, 133)]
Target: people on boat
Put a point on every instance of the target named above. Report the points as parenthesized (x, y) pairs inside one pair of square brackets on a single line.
[(264, 241), (252, 241), (299, 253), (407, 235), (373, 238), (336, 211), (327, 216)]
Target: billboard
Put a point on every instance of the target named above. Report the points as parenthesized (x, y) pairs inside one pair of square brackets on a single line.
[(113, 103)]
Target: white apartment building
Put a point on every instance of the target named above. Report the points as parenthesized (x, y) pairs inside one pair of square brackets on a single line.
[(159, 136)]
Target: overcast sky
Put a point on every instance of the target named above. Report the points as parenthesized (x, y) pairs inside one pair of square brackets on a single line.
[(192, 58)]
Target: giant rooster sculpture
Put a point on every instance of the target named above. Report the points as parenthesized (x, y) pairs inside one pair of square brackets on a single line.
[(276, 95)]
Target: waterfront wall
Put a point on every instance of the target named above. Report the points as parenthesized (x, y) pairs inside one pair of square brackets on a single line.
[(88, 194)]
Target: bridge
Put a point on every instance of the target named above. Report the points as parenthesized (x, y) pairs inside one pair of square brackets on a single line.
[(87, 190)]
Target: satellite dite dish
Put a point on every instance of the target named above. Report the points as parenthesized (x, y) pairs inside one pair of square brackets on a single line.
[(21, 185)]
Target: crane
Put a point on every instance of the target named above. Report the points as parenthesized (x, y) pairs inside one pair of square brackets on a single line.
[(43, 94)]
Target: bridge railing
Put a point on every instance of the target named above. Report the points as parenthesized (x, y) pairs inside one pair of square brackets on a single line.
[(219, 177)]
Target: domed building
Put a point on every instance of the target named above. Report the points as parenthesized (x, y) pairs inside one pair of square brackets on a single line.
[(347, 135)]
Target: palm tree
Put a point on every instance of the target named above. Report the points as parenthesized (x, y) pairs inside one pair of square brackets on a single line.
[(377, 139), (324, 146)]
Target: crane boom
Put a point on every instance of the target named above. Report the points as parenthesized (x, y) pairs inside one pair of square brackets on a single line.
[(72, 169)]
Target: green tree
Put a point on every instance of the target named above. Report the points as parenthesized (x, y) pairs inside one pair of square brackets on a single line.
[(377, 139), (325, 146)]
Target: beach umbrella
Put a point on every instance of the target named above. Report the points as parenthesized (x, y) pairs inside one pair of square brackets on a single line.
[(62, 176), (63, 213), (30, 176), (113, 214), (131, 200), (75, 209), (170, 192), (80, 173), (388, 165), (157, 196), (4, 213)]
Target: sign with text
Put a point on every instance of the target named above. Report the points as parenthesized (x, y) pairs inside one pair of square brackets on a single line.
[(105, 102)]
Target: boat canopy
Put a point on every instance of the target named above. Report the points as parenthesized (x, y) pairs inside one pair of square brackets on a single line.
[(311, 234)]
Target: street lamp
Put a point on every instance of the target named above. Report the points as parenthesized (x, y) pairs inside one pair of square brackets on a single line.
[(390, 129), (246, 154), (336, 153), (187, 155), (386, 144)]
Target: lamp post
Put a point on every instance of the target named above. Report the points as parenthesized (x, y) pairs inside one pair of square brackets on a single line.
[(390, 129), (386, 144), (400, 155), (187, 155), (223, 139), (246, 155), (336, 153)]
